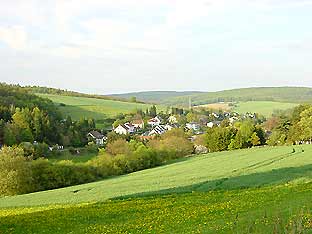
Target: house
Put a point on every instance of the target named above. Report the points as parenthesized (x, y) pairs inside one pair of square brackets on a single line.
[(172, 119), (138, 123), (233, 119), (97, 137), (193, 126), (215, 115), (213, 124), (157, 130), (124, 129), (154, 121)]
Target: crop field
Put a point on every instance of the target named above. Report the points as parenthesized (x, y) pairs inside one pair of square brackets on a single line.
[(263, 107), (79, 107), (243, 191)]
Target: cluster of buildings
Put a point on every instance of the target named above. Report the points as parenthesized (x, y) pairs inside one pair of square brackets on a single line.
[(158, 126)]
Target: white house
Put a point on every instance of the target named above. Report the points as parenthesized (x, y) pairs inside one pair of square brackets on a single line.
[(213, 123), (194, 126), (138, 123), (97, 137), (157, 130), (124, 129), (154, 121), (233, 119), (172, 119), (215, 115)]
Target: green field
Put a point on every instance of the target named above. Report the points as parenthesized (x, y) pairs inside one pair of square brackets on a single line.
[(253, 189), (82, 107), (265, 108)]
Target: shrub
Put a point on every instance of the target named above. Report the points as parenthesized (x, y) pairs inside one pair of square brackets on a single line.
[(104, 165), (120, 146), (92, 147), (41, 150), (15, 172), (47, 175)]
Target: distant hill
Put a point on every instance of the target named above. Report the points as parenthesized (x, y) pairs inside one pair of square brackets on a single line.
[(156, 96), (275, 94)]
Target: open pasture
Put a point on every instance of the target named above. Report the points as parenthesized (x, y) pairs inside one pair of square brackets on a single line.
[(82, 107), (265, 108), (258, 190), (224, 170)]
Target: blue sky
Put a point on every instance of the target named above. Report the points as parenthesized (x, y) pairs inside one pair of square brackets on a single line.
[(115, 46)]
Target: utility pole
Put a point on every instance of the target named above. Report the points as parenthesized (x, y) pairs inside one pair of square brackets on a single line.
[(190, 103)]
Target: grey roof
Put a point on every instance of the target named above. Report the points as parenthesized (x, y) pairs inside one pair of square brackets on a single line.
[(96, 135)]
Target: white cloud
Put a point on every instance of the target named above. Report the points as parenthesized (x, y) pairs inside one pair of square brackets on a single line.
[(15, 37)]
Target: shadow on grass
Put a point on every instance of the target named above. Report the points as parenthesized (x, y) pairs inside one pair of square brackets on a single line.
[(256, 180)]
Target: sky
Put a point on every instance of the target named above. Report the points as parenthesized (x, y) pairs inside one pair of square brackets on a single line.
[(116, 46)]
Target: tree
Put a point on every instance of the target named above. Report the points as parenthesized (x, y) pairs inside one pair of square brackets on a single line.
[(15, 172), (219, 139), (191, 117), (9, 137), (153, 111), (133, 99), (120, 146), (306, 124), (37, 124), (255, 140)]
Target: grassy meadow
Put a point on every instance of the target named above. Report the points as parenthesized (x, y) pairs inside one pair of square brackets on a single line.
[(279, 209), (265, 108), (78, 107), (243, 191)]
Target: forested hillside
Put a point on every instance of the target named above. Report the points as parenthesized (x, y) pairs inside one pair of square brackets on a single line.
[(25, 117)]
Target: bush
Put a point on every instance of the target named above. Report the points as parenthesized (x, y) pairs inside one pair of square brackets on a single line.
[(15, 172), (27, 148), (92, 147), (104, 166), (47, 175), (120, 146), (41, 150)]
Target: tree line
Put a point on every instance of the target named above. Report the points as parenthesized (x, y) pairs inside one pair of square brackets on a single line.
[(25, 117)]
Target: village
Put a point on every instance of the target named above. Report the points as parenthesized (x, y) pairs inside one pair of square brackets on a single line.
[(194, 123)]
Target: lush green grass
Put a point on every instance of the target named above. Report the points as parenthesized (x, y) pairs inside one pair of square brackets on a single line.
[(279, 209), (265, 108), (79, 107), (259, 190), (224, 170)]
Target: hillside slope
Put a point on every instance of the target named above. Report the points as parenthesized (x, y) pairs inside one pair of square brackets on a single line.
[(85, 107), (225, 170), (277, 94)]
